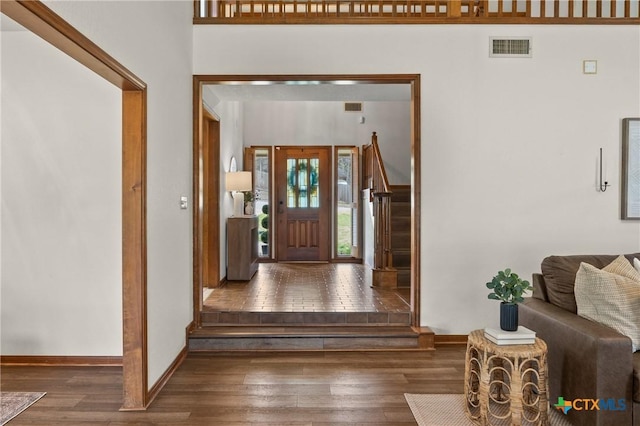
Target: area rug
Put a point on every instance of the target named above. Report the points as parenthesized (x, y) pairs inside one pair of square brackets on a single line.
[(14, 403), (448, 410)]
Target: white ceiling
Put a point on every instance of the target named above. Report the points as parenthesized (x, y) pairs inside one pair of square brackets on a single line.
[(310, 91)]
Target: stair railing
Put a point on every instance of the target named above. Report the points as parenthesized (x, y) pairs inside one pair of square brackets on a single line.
[(375, 179)]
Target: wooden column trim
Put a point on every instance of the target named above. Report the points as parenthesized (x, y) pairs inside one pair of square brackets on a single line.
[(134, 250), (416, 144)]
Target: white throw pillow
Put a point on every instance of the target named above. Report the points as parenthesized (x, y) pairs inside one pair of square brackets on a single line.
[(611, 297), (636, 263)]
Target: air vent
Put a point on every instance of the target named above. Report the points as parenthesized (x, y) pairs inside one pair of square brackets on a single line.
[(510, 47), (353, 106)]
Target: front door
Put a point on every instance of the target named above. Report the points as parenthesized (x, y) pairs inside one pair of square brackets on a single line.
[(303, 203)]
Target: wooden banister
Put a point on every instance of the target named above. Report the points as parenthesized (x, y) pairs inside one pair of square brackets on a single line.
[(413, 11), (375, 179)]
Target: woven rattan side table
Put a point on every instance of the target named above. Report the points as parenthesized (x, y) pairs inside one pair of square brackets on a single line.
[(506, 384)]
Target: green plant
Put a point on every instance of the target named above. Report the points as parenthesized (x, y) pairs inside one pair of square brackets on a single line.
[(248, 196), (265, 209), (508, 287), (264, 236)]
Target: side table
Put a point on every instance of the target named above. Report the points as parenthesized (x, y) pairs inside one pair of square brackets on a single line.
[(506, 384)]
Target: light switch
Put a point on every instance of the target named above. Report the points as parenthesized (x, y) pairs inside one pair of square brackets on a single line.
[(590, 67), (184, 203)]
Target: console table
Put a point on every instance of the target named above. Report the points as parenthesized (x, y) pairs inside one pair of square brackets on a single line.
[(242, 247), (506, 384)]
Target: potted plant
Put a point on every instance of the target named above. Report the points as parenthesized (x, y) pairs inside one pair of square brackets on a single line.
[(248, 202), (508, 287), (264, 229)]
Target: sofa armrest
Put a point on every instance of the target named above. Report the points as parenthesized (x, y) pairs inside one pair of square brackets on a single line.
[(586, 360)]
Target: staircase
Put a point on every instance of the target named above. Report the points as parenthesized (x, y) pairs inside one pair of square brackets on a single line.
[(401, 233), (286, 331)]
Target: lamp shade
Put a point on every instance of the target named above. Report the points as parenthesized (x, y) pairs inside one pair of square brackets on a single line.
[(238, 181)]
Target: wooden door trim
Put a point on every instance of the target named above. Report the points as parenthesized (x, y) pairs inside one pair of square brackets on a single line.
[(42, 21), (411, 79)]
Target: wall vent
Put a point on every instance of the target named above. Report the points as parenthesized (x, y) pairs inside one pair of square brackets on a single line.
[(512, 47), (353, 106)]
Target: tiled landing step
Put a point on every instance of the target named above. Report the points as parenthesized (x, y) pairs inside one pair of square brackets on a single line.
[(214, 318), (288, 338)]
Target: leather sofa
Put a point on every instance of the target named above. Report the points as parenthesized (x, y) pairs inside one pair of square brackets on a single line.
[(586, 360)]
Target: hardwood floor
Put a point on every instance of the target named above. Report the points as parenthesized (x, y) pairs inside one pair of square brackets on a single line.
[(307, 388)]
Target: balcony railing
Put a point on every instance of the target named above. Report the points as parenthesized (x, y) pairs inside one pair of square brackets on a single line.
[(417, 12)]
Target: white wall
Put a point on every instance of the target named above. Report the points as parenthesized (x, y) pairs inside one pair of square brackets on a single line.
[(231, 136), (509, 146), (61, 204), (154, 41), (326, 123)]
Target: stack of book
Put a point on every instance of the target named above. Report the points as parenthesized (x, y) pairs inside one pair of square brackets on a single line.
[(522, 336)]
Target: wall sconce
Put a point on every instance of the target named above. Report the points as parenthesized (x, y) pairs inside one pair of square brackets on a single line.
[(236, 183), (605, 184)]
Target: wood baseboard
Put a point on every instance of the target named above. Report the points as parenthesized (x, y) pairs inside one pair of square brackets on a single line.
[(57, 360), (157, 387), (450, 339), (425, 338)]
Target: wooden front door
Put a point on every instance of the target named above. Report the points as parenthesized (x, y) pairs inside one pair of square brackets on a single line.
[(303, 203)]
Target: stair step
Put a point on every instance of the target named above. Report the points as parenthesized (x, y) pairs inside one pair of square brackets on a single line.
[(404, 277), (302, 338), (401, 258), (400, 208), (400, 224), (401, 239), (400, 193)]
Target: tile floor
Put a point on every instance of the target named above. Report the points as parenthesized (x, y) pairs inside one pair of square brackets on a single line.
[(294, 287)]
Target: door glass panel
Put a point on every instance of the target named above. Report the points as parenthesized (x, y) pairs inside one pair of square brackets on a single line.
[(303, 183), (314, 175), (261, 185), (346, 220), (303, 177), (292, 186)]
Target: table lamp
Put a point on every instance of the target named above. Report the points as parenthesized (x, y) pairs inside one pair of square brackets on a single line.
[(236, 183)]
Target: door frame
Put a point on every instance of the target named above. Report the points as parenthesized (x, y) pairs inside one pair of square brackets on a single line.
[(199, 80), (42, 21)]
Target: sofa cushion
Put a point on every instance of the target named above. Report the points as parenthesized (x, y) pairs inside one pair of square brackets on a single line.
[(636, 263), (611, 297), (559, 274), (636, 376)]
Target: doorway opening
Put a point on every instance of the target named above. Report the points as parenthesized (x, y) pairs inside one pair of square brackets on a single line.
[(253, 86)]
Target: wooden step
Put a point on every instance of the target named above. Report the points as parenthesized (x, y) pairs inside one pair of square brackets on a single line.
[(400, 223), (400, 193), (404, 277), (400, 209), (287, 338), (401, 258), (401, 239)]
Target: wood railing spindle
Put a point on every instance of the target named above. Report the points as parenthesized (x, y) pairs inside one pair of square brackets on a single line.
[(423, 11)]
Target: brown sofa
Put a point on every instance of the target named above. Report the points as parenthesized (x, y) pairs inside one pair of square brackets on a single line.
[(586, 359)]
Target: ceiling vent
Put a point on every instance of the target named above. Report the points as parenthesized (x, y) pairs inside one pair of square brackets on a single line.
[(513, 47), (353, 106)]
